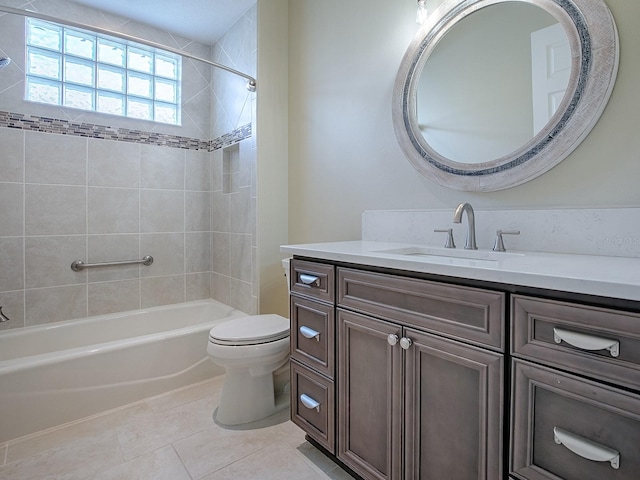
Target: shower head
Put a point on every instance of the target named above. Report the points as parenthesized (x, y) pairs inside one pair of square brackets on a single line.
[(4, 61)]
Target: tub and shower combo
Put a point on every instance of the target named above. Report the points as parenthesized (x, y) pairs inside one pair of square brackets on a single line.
[(55, 373)]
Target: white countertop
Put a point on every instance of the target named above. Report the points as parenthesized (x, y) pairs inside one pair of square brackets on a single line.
[(615, 277)]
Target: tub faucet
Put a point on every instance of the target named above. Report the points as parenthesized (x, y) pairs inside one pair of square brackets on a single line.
[(3, 317), (471, 227)]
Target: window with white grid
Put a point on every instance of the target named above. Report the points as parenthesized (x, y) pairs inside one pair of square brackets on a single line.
[(80, 69)]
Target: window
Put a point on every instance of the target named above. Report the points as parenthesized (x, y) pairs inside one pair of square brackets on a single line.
[(79, 69)]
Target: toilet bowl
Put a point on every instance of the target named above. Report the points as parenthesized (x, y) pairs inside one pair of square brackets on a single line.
[(254, 351)]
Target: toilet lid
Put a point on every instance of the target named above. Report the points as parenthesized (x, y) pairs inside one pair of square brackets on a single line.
[(250, 330)]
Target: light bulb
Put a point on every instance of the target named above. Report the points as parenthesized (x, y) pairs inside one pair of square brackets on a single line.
[(422, 12)]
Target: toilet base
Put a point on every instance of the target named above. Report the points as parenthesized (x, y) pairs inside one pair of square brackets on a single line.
[(247, 398)]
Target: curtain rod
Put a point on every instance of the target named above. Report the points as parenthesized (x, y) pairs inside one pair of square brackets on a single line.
[(251, 82)]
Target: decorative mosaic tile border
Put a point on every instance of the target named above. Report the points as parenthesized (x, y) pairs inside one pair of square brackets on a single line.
[(230, 138), (65, 127)]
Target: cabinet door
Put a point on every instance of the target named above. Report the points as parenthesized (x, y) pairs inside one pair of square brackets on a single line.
[(453, 410), (369, 397)]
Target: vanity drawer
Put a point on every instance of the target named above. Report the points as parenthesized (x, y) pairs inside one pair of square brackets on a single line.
[(312, 406), (559, 420), (593, 341), (469, 314), (313, 279), (312, 334)]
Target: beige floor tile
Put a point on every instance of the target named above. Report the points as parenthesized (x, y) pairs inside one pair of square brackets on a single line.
[(144, 433), (168, 437), (338, 473), (72, 432), (161, 464), (273, 462), (290, 433), (217, 447), (315, 456), (80, 460), (207, 389)]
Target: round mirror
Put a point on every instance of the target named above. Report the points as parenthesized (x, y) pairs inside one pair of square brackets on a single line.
[(493, 93)]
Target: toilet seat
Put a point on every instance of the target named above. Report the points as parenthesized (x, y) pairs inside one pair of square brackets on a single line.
[(251, 330)]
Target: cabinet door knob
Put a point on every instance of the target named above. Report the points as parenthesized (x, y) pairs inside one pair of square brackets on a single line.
[(309, 402), (405, 343), (586, 448), (586, 342), (392, 339), (310, 333)]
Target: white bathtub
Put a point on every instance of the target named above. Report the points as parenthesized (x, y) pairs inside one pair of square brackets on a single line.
[(56, 373)]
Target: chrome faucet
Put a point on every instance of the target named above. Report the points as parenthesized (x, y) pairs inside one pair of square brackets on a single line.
[(471, 221), (3, 317)]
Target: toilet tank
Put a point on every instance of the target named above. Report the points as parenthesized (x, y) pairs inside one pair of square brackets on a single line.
[(285, 265)]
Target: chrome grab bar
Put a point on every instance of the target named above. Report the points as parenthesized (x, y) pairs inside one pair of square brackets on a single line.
[(79, 265)]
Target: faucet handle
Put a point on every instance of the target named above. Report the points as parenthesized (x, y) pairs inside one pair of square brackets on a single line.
[(498, 246), (449, 231)]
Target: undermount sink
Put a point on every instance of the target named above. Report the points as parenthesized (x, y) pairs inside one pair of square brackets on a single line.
[(433, 252)]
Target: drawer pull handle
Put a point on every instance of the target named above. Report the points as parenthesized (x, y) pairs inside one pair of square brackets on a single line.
[(309, 402), (309, 333), (586, 342), (310, 280), (586, 448)]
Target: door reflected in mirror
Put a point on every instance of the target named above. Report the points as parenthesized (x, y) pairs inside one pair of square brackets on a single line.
[(493, 82)]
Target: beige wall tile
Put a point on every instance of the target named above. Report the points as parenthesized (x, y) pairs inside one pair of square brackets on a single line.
[(55, 210), (161, 211), (161, 291), (111, 297), (52, 158), (48, 260), (12, 158), (49, 305), (113, 164), (113, 210)]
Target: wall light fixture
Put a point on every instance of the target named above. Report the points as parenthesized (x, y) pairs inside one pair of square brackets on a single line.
[(422, 12)]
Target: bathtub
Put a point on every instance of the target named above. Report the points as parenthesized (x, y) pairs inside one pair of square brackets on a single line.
[(52, 374)]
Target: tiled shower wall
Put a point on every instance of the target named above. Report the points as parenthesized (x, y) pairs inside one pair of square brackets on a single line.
[(100, 201), (68, 197), (233, 219)]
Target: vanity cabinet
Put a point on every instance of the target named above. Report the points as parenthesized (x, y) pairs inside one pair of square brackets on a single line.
[(400, 375), (414, 401), (576, 377)]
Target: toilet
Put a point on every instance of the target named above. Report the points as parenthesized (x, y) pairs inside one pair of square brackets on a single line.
[(254, 351)]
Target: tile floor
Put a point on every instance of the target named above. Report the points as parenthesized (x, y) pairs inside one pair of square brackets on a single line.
[(168, 437)]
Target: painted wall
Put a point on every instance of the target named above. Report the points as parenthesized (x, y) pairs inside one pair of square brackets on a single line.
[(272, 162), (343, 154)]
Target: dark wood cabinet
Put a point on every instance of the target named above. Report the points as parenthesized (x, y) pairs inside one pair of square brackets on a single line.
[(403, 377), (413, 403)]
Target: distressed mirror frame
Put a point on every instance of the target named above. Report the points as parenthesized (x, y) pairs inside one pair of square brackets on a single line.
[(594, 45)]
